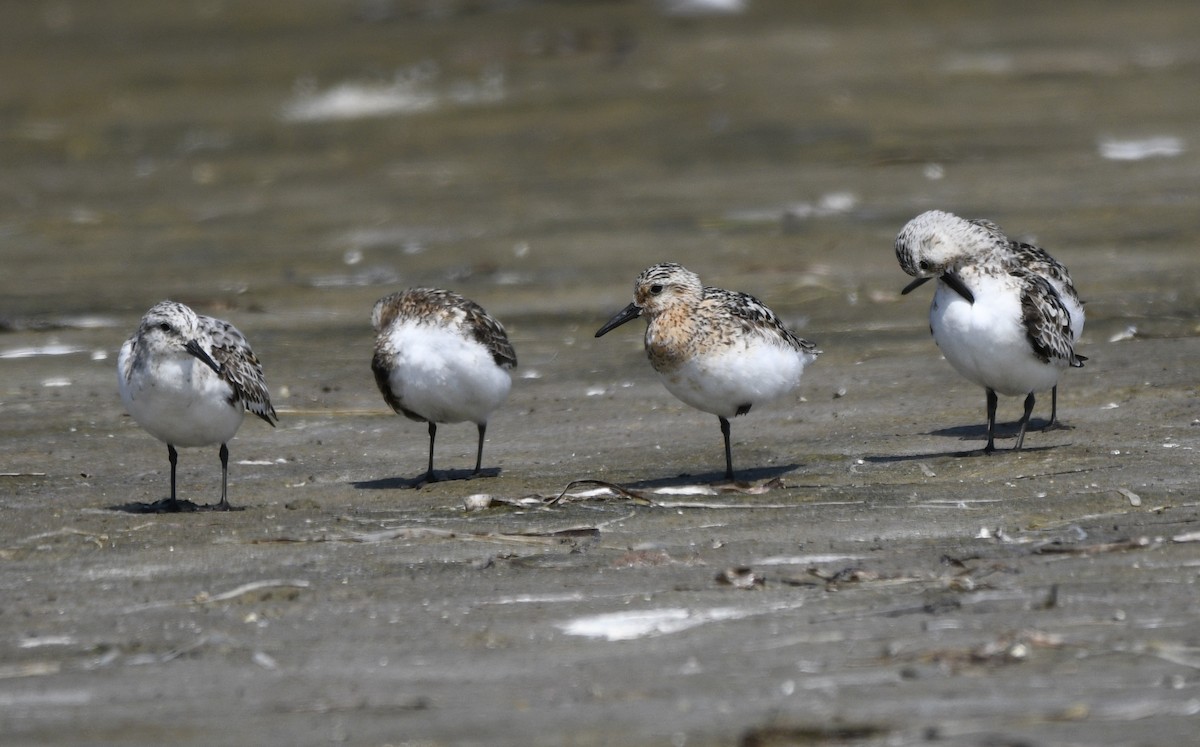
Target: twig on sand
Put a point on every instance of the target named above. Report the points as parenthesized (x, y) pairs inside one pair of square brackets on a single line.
[(532, 537), (244, 589), (642, 497)]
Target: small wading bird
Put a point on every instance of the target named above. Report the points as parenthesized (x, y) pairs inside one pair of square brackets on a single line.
[(440, 358), (188, 379), (1005, 314), (720, 351)]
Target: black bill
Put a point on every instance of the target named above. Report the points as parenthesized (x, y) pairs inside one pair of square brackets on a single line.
[(627, 314)]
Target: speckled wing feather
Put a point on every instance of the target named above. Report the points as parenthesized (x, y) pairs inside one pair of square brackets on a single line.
[(239, 367), (1033, 258), (756, 317), (1039, 260), (1047, 321), (490, 333)]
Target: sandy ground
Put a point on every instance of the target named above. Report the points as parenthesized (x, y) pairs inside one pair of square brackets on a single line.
[(866, 581)]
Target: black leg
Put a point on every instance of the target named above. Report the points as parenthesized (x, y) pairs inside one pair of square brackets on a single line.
[(479, 451), (728, 453), (992, 401), (1053, 424), (173, 456), (1024, 421), (432, 435), (223, 505)]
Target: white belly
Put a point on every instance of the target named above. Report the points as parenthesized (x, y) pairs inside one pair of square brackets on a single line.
[(180, 401), (445, 377), (722, 383), (986, 341)]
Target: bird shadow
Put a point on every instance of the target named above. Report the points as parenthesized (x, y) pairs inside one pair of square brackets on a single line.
[(169, 506), (974, 432), (418, 482), (996, 454), (978, 431)]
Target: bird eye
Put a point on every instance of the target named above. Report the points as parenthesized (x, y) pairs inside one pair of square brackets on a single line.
[(165, 327), (924, 265), (655, 290)]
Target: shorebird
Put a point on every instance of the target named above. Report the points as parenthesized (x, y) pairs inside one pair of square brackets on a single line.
[(440, 358), (996, 317), (1038, 260), (188, 379), (720, 351)]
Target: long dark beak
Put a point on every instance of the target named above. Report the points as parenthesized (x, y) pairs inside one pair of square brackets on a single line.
[(914, 285), (958, 286), (194, 348), (627, 314)]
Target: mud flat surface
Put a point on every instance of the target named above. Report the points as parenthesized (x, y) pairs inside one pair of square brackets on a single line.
[(865, 583)]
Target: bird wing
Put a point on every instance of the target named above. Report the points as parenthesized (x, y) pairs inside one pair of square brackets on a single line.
[(1046, 319), (756, 317), (490, 333), (383, 372), (240, 368), (1039, 260)]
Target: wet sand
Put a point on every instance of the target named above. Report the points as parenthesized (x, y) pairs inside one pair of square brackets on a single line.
[(886, 588)]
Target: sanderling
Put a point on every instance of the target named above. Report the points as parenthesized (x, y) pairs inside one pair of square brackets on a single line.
[(719, 351), (188, 379), (997, 315), (440, 358), (1038, 260)]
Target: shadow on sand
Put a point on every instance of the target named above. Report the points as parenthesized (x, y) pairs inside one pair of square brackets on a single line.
[(415, 483), (169, 506)]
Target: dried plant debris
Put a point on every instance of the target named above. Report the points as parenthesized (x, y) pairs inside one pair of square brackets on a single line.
[(1135, 543), (256, 591), (853, 575), (1134, 499), (568, 535), (1013, 647), (483, 501), (602, 490), (741, 577)]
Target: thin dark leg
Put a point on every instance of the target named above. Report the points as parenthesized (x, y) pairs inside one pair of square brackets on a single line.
[(1053, 424), (728, 453), (432, 435), (173, 456), (479, 451), (223, 504), (1024, 421), (992, 401)]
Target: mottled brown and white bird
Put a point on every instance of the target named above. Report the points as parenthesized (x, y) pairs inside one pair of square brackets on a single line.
[(188, 379), (1005, 314), (720, 351), (440, 358)]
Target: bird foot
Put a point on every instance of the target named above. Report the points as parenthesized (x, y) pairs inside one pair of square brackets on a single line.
[(221, 506), (169, 506), (426, 479)]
